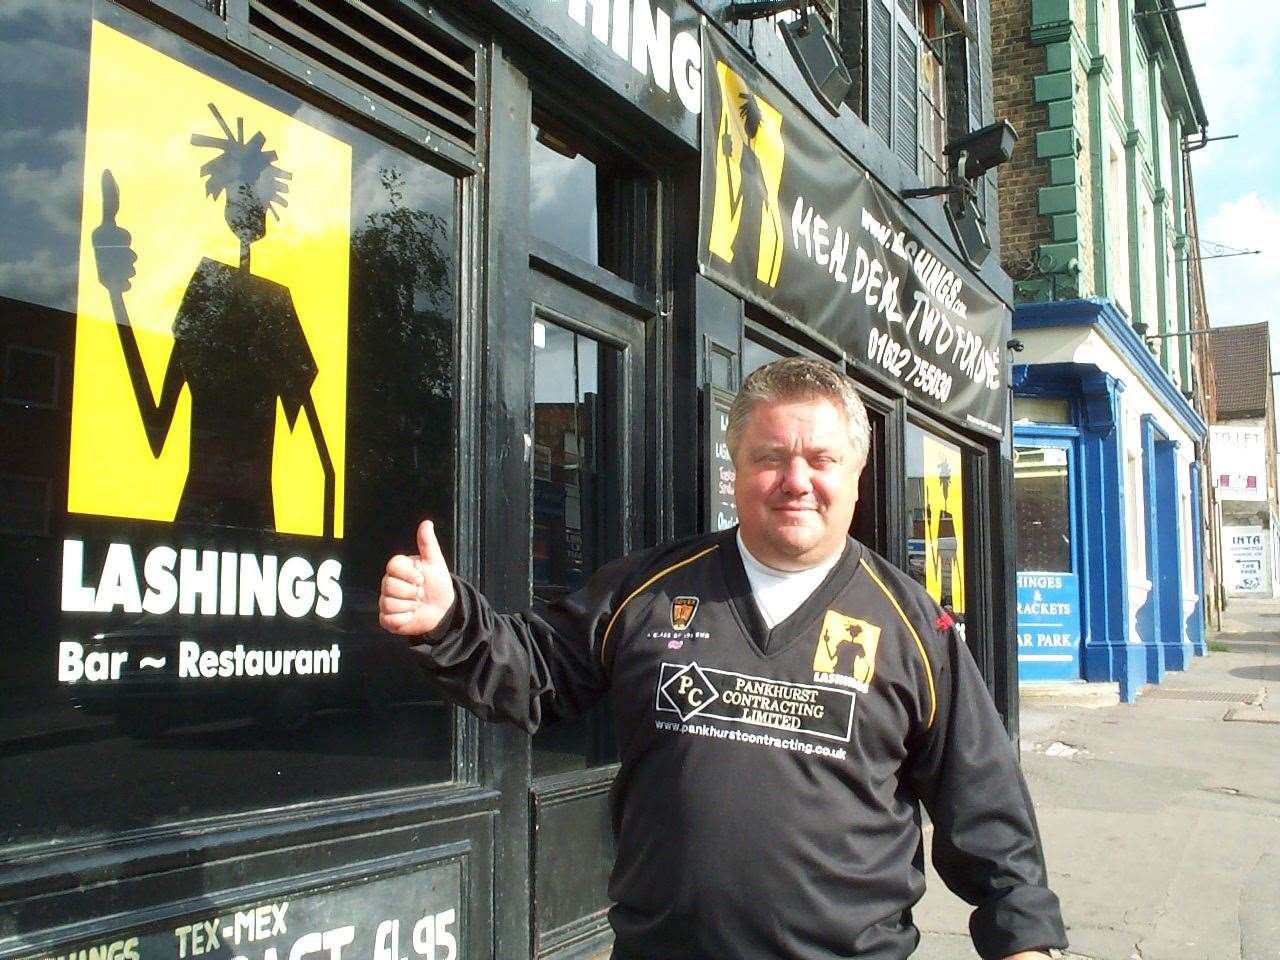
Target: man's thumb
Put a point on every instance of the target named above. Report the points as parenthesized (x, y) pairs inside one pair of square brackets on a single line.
[(428, 546)]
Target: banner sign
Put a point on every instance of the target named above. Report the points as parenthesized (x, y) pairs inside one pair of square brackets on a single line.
[(415, 916), (1048, 626), (790, 222), (1239, 458)]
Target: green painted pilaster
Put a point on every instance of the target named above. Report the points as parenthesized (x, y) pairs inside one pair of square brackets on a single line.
[(1058, 147)]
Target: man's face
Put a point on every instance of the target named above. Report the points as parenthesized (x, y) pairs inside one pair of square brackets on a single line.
[(797, 482)]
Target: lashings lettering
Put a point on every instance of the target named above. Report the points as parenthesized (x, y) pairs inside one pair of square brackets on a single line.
[(201, 582)]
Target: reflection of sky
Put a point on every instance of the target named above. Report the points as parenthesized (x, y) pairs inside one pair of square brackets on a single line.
[(553, 373), (44, 67), (562, 201), (915, 453), (44, 76)]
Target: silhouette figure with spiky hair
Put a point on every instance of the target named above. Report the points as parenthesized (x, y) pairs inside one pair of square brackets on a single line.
[(238, 345), (749, 194)]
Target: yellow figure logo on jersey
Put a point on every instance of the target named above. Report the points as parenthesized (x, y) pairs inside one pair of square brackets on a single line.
[(847, 648), (211, 337), (750, 152)]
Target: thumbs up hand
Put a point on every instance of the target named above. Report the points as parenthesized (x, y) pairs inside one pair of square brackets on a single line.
[(111, 242), (417, 592)]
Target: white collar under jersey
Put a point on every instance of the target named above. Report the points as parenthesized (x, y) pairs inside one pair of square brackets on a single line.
[(779, 593)]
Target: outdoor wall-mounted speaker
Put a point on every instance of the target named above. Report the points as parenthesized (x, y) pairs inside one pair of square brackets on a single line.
[(970, 234), (819, 59)]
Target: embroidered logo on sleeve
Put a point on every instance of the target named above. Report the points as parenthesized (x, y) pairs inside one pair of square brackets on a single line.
[(846, 651)]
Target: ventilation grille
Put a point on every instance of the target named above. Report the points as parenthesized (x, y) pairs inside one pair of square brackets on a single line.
[(1208, 696), (382, 47)]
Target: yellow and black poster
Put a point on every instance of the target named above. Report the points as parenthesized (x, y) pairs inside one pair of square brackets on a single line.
[(944, 524), (790, 221), (211, 338), (749, 155)]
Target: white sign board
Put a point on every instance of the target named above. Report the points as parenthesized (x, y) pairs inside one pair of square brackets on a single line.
[(1244, 549), (1239, 458)]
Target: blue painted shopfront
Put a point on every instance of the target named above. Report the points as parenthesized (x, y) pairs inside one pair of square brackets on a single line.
[(1079, 628), (1048, 582)]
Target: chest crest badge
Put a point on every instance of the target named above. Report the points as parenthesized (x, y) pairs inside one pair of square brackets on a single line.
[(682, 611), (846, 651)]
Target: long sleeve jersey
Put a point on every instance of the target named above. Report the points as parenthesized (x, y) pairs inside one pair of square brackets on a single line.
[(768, 799)]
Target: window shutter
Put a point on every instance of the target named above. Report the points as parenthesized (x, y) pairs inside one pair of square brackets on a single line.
[(977, 111), (880, 99), (906, 99), (407, 62)]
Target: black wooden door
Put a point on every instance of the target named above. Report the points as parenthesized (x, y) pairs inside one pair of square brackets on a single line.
[(590, 443)]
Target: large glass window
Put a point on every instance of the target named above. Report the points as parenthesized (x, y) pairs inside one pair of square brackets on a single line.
[(244, 314), (588, 201), (936, 554), (1042, 498), (755, 355)]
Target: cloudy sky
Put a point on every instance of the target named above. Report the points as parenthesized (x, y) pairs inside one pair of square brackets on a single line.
[(1235, 49)]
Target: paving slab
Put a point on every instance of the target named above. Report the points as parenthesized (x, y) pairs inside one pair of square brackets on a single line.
[(1161, 818)]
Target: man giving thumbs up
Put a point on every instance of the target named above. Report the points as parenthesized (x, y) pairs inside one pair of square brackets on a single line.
[(768, 799)]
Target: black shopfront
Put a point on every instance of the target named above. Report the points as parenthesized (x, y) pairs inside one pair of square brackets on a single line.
[(278, 278)]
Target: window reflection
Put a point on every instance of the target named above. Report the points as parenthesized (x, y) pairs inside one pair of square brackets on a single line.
[(1042, 498), (574, 532), (563, 205), (936, 554), (591, 201), (567, 532), (215, 526)]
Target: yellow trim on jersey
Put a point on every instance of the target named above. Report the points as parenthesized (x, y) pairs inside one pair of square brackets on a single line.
[(928, 667), (644, 586)]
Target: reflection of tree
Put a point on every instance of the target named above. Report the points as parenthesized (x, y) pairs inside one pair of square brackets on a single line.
[(400, 426)]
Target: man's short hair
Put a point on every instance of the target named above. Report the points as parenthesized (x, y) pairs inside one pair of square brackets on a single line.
[(799, 379)]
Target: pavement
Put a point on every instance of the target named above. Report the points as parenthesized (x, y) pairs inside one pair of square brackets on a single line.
[(1160, 818)]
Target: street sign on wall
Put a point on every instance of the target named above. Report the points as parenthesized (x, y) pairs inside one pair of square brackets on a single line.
[(1245, 553)]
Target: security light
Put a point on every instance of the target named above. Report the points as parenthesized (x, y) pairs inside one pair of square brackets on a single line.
[(979, 151), (970, 157)]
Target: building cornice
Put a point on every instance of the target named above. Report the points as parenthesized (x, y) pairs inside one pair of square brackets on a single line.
[(1123, 339)]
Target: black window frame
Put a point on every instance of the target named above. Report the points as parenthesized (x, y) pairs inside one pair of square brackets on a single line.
[(221, 30)]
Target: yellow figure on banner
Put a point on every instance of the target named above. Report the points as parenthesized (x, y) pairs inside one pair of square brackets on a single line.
[(745, 216), (210, 368)]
